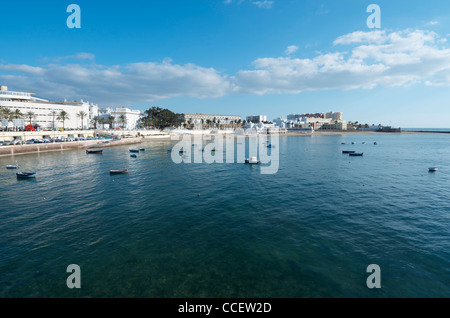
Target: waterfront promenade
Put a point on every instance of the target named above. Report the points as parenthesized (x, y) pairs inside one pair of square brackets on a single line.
[(59, 146)]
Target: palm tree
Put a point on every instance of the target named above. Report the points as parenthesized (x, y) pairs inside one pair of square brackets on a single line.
[(111, 120), (63, 116), (95, 121), (123, 119), (30, 115), (103, 122), (81, 114), (54, 114)]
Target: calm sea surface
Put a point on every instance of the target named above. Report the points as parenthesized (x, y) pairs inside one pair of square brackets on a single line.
[(309, 230)]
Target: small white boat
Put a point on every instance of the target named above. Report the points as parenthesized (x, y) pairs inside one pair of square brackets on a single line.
[(432, 169), (252, 160), (12, 166)]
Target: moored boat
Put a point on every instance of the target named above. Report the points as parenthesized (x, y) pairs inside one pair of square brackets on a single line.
[(134, 150), (24, 175), (97, 151), (432, 169), (123, 171), (133, 155), (354, 154), (348, 151), (12, 166), (252, 160)]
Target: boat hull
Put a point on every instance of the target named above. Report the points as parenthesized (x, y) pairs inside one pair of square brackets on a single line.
[(26, 175), (118, 171)]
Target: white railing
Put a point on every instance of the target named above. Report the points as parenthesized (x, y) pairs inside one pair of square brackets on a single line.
[(15, 94)]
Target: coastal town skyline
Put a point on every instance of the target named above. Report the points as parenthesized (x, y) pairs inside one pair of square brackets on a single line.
[(238, 57)]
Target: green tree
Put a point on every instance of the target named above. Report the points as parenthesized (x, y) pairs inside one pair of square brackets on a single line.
[(81, 115), (54, 114), (103, 122), (95, 121), (63, 116), (123, 119), (111, 120), (30, 115)]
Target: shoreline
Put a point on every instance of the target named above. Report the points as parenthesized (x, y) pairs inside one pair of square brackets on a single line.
[(64, 146)]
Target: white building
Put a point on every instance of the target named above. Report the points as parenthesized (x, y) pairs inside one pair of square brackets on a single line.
[(256, 119), (201, 119), (45, 112), (132, 117), (131, 120)]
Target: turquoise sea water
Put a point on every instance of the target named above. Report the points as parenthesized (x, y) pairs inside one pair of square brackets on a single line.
[(309, 230)]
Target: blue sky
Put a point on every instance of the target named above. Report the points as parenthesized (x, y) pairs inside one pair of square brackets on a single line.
[(243, 57)]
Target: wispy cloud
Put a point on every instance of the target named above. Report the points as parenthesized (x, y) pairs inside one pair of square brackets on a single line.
[(78, 56), (291, 49), (264, 4)]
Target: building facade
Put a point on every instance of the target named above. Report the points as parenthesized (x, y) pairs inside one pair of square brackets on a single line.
[(45, 112), (256, 119), (198, 120)]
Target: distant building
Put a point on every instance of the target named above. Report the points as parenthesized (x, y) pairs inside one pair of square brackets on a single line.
[(334, 116), (256, 119), (198, 120)]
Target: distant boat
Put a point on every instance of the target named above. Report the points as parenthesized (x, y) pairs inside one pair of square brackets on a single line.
[(348, 151), (98, 151), (343, 143), (141, 149), (23, 175), (432, 169), (356, 154), (133, 155), (12, 166), (353, 142), (124, 171), (252, 160), (134, 150), (270, 146), (364, 143), (214, 149), (375, 143)]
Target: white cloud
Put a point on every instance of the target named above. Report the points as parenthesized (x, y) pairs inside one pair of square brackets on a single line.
[(359, 60), (433, 23), (291, 49), (263, 4), (375, 58), (137, 82)]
